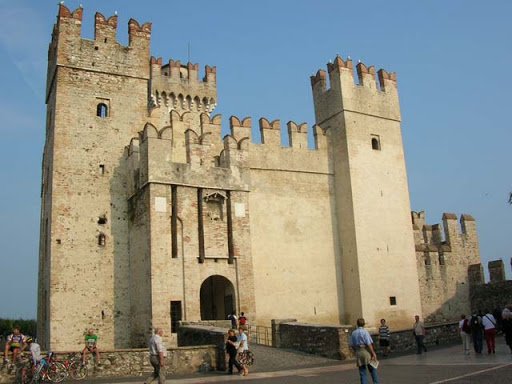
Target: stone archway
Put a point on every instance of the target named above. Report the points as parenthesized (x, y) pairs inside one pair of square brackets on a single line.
[(217, 298)]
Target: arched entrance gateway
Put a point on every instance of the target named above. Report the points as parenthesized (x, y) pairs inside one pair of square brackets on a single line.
[(217, 298)]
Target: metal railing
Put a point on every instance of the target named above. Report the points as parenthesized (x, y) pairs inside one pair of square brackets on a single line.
[(260, 334)]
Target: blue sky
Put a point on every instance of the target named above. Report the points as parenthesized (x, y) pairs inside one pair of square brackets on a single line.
[(452, 60)]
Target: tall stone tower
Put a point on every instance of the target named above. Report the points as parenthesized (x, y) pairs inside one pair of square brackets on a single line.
[(97, 98), (378, 262)]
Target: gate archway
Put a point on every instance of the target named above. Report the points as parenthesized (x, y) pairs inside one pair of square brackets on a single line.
[(217, 298)]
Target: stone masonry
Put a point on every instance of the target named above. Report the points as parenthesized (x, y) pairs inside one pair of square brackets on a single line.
[(149, 217)]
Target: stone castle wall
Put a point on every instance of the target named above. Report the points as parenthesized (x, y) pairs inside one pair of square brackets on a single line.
[(497, 293), (171, 222), (444, 254)]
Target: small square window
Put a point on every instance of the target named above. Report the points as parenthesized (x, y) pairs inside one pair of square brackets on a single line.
[(392, 300)]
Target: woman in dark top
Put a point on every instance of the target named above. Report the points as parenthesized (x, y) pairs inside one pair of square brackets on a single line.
[(231, 349)]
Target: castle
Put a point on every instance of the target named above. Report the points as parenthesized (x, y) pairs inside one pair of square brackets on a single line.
[(149, 217)]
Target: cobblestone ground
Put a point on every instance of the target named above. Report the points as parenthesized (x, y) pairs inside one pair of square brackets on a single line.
[(269, 359)]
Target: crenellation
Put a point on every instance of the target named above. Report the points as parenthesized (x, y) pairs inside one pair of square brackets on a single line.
[(297, 135), (105, 29), (320, 137), (270, 132), (496, 270), (387, 80), (240, 129), (210, 74), (366, 76), (139, 35)]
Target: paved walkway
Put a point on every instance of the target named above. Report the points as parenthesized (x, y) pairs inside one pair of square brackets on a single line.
[(441, 365)]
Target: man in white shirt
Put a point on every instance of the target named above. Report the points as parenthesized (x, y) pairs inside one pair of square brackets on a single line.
[(157, 355)]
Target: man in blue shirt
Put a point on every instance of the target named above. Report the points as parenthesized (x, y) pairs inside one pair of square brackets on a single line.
[(362, 344)]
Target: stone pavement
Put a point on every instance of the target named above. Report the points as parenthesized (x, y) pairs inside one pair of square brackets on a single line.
[(440, 365)]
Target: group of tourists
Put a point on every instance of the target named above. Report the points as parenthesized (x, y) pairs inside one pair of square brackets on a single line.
[(484, 325), (474, 329)]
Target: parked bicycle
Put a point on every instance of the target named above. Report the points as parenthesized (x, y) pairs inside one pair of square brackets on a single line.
[(75, 368), (47, 370)]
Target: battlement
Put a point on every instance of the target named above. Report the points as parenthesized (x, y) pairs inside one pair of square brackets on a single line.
[(365, 74), (102, 54), (70, 23), (374, 93), (430, 237), (177, 86)]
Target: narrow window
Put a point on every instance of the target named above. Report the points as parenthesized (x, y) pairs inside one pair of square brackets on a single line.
[(375, 142), (175, 315), (102, 169), (427, 259), (441, 258), (101, 239), (102, 110), (392, 300)]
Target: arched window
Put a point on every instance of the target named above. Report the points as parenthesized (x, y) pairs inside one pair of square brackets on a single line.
[(375, 143), (102, 110)]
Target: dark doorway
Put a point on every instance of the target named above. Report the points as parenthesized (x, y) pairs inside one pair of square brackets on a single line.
[(175, 315), (217, 298)]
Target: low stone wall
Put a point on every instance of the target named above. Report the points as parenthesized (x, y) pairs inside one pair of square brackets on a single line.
[(323, 340), (192, 335), (333, 341), (437, 334), (135, 362)]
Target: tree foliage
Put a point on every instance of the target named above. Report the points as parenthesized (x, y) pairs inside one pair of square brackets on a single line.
[(27, 327)]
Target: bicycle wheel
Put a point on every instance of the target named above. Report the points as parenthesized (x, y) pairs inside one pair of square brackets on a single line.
[(56, 372), (77, 370)]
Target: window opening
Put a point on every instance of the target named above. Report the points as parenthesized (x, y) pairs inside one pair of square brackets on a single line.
[(101, 239), (392, 300), (102, 169), (102, 220), (375, 143), (102, 110)]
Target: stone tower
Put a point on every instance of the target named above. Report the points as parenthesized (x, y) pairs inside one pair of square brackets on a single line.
[(371, 192), (96, 99)]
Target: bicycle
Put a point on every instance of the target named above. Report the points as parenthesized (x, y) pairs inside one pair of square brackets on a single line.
[(75, 368), (47, 370)]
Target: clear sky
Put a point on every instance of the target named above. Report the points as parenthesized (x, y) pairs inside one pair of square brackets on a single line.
[(452, 59)]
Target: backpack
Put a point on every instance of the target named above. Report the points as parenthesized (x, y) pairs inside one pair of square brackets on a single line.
[(465, 326)]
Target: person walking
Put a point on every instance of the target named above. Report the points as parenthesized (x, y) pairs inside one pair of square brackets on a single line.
[(418, 330), (243, 348), (477, 331), (384, 337), (362, 344), (465, 333), (489, 323), (231, 350), (157, 355)]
